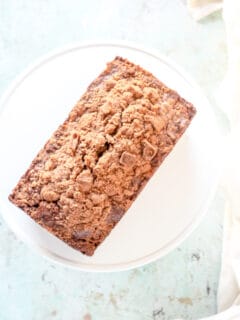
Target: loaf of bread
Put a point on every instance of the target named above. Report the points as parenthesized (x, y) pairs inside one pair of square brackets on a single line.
[(96, 163)]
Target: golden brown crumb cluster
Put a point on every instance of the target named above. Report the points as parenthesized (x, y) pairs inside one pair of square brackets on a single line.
[(93, 167)]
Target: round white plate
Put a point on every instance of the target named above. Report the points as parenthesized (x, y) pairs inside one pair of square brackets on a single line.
[(172, 203)]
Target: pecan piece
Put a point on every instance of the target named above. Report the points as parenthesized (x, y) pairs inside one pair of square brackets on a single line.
[(127, 159), (149, 151), (85, 180)]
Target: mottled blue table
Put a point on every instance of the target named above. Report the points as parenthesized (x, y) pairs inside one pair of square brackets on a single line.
[(182, 284)]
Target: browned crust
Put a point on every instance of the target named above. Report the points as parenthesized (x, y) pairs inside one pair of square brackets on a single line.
[(96, 163)]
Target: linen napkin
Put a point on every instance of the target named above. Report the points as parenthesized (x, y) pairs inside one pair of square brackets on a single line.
[(229, 100)]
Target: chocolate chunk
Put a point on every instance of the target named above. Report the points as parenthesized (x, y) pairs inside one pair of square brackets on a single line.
[(172, 132), (85, 180), (136, 182), (115, 214), (127, 159), (81, 234), (156, 160), (149, 151), (51, 147), (46, 214), (49, 223), (74, 143), (42, 213), (46, 211)]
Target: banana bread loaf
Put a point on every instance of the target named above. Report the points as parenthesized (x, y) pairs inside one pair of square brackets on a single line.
[(96, 163)]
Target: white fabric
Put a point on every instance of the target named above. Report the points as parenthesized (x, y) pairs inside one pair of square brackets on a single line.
[(229, 289), (229, 285), (202, 8), (229, 99)]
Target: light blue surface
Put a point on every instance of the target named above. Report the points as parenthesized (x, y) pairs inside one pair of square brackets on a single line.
[(184, 283)]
